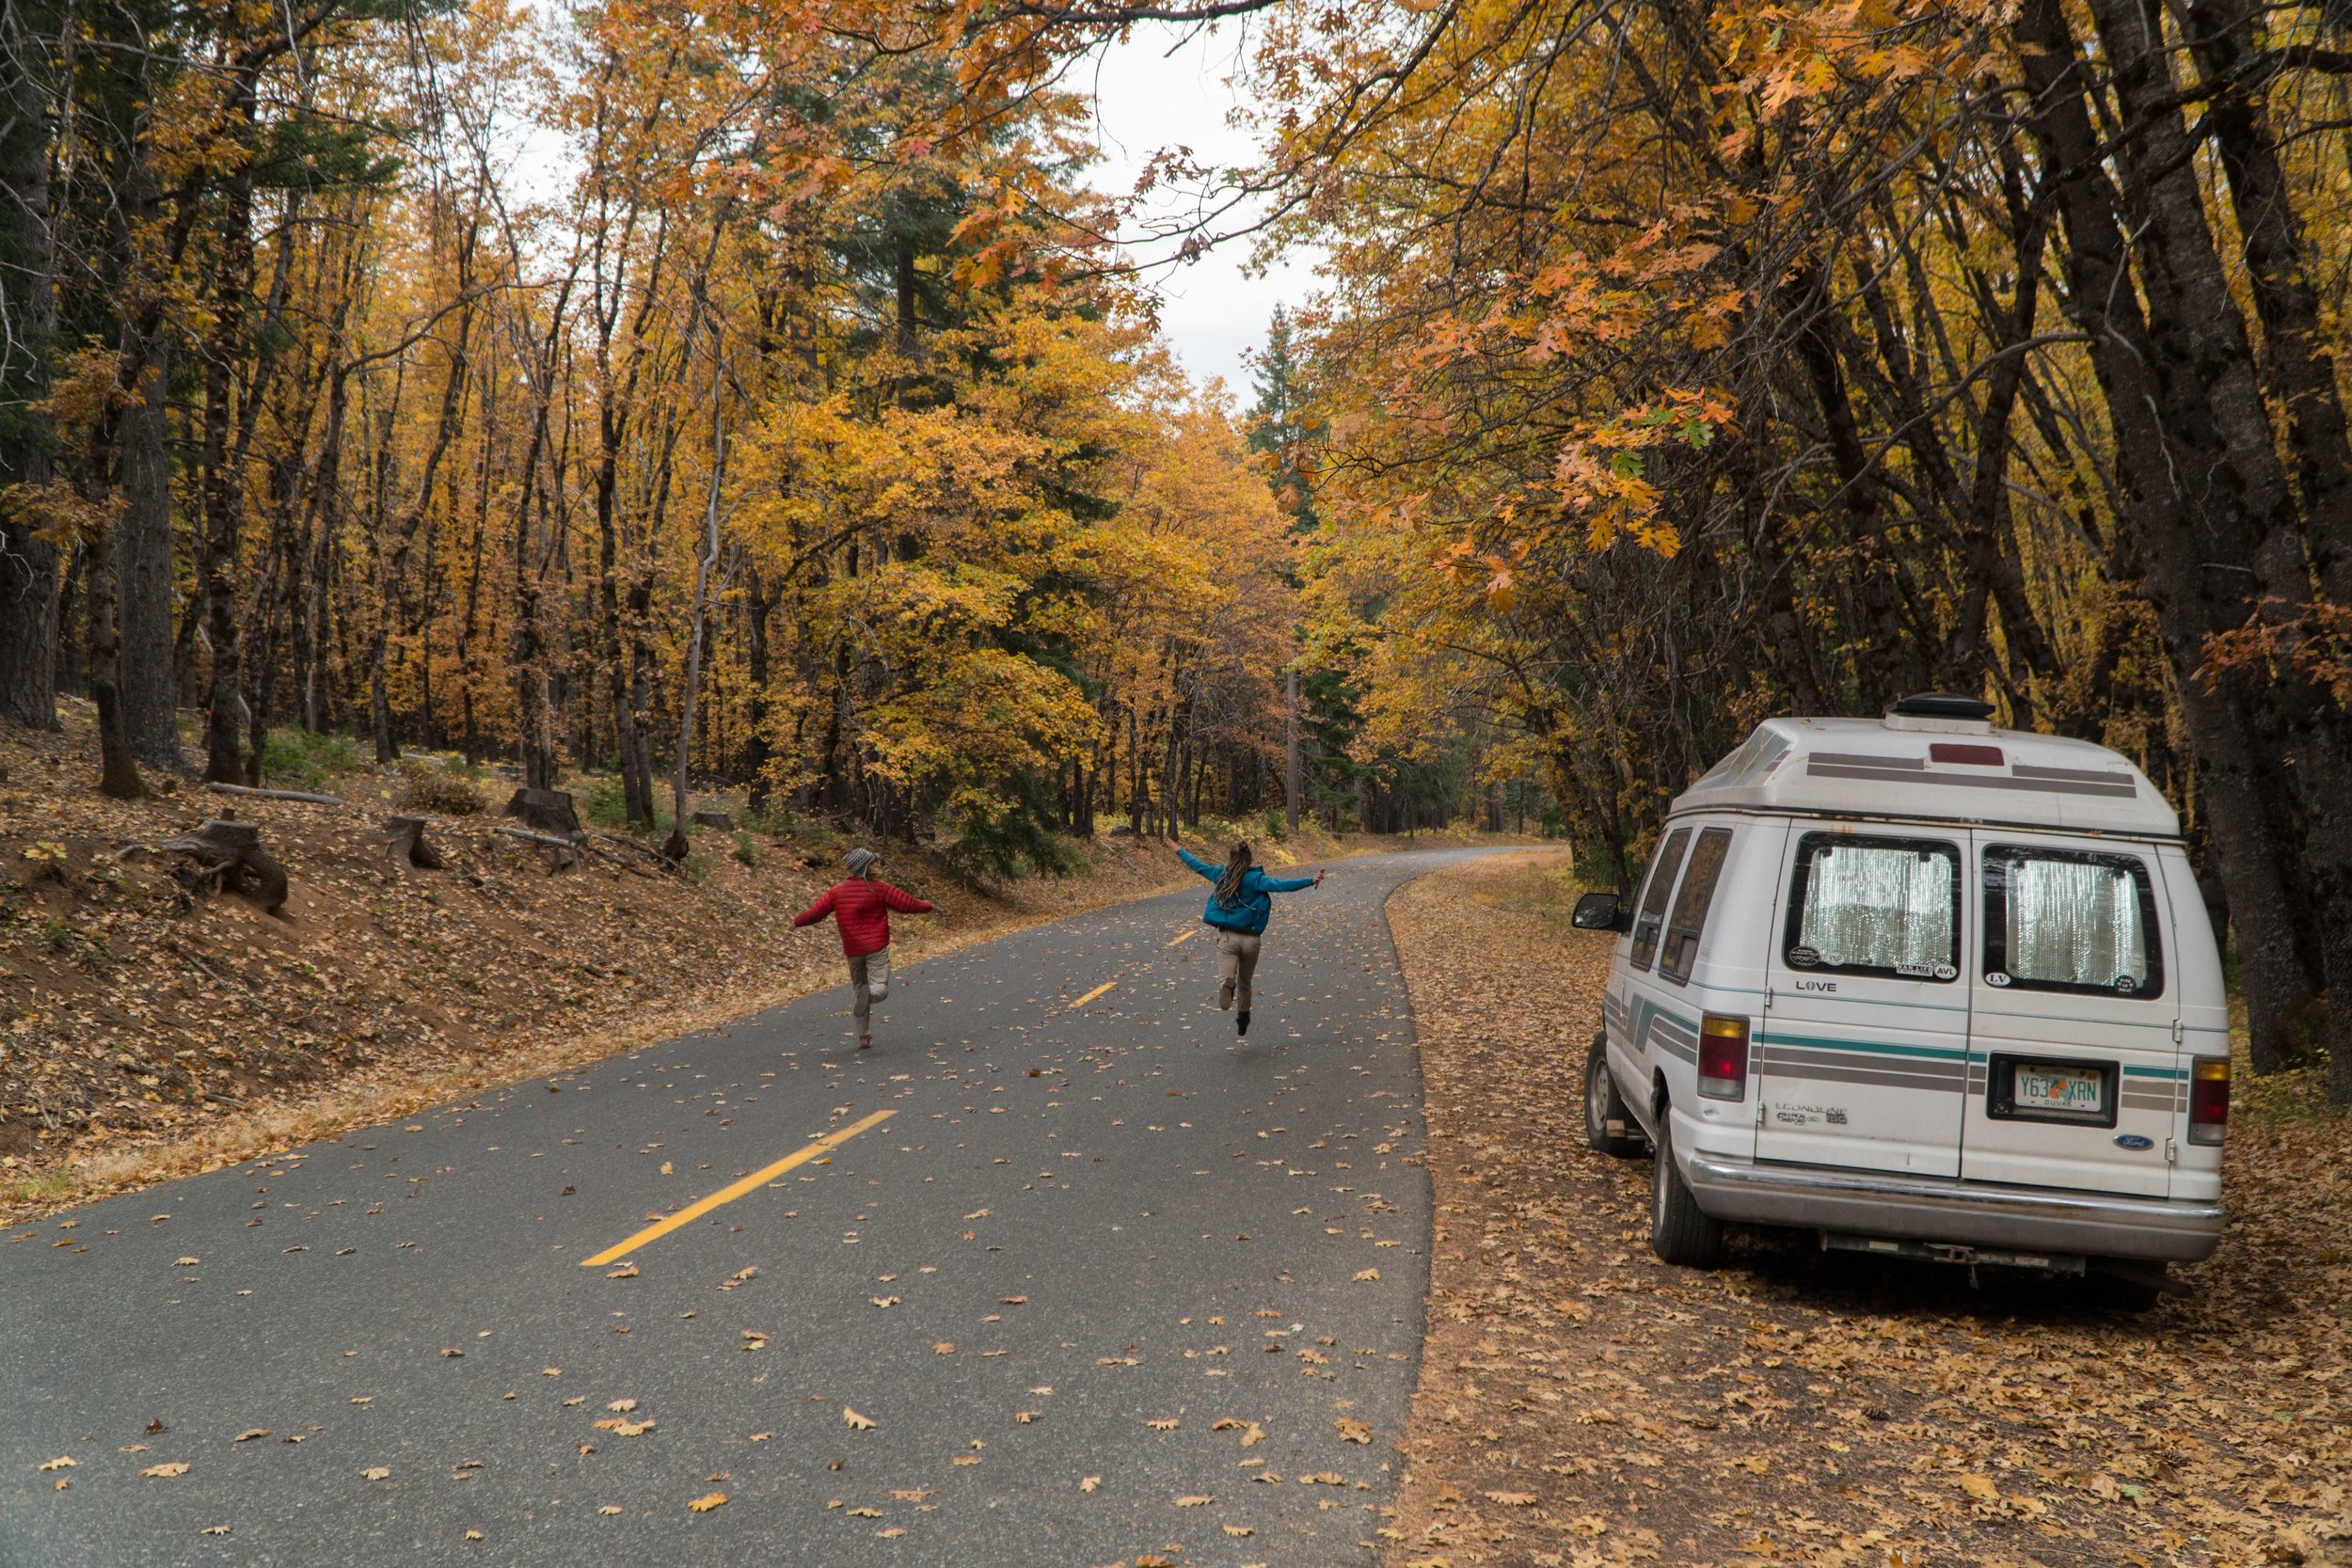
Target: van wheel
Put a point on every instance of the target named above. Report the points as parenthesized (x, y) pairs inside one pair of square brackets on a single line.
[(1603, 1104), (1680, 1232)]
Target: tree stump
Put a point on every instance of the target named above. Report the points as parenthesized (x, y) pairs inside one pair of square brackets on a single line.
[(718, 820), (405, 837), (548, 810), (229, 854)]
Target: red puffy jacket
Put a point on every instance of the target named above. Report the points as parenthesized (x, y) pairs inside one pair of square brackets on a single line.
[(862, 908)]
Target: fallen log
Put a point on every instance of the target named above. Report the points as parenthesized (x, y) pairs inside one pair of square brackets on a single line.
[(229, 854), (569, 850), (646, 849), (718, 820), (405, 838), (279, 794)]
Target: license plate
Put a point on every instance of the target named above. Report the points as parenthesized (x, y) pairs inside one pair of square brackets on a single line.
[(2081, 1090)]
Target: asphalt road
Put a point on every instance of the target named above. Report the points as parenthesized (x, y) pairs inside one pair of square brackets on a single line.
[(1108, 1283)]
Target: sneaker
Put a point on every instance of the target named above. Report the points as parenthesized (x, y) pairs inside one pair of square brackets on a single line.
[(866, 1042), (1241, 1023)]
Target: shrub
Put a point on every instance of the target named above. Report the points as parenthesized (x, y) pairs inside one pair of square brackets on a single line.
[(298, 758), (746, 850), (1276, 825), (444, 793)]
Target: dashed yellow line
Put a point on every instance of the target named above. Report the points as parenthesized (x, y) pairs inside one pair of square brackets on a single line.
[(1186, 935), (1095, 993), (728, 1194)]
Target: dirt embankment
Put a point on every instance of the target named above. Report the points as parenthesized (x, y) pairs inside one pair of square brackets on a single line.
[(1583, 1403)]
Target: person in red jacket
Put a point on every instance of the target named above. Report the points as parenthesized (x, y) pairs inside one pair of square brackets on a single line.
[(861, 906)]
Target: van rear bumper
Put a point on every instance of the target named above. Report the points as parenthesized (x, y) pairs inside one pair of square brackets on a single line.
[(1934, 1209)]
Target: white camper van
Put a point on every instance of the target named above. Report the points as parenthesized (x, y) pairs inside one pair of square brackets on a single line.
[(1925, 987)]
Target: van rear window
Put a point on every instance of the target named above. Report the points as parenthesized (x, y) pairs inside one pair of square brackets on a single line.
[(1661, 882), (2070, 920), (1875, 906)]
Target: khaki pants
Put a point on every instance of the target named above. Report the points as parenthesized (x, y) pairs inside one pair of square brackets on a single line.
[(1236, 963), (869, 982)]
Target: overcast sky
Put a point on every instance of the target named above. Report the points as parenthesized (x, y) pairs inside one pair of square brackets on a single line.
[(1214, 309)]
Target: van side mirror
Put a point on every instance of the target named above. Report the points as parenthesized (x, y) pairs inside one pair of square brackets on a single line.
[(1601, 912)]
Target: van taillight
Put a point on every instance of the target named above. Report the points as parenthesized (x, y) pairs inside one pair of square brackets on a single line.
[(1723, 1057), (2208, 1099)]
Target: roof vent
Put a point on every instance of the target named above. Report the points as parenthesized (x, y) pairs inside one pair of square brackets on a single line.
[(1941, 704)]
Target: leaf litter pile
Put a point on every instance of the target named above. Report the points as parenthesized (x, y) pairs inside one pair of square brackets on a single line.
[(147, 1031), (1583, 1403)]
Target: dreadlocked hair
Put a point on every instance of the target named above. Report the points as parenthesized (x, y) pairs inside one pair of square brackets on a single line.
[(1236, 867)]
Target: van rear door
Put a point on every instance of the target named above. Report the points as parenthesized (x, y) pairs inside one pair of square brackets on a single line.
[(1863, 1058), (2075, 1065)]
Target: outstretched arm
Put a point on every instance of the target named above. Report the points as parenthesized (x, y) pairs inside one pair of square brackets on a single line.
[(904, 902), (816, 911), (1200, 868), (1291, 884)]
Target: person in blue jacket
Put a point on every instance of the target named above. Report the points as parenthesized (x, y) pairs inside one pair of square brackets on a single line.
[(1239, 905)]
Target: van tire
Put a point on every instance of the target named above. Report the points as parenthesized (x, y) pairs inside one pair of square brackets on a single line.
[(1603, 1104), (1680, 1232)]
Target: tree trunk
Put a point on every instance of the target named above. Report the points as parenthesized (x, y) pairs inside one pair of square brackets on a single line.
[(223, 486), (143, 574), (28, 562)]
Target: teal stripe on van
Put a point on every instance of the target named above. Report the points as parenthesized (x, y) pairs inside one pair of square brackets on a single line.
[(2165, 1072), (1868, 1048)]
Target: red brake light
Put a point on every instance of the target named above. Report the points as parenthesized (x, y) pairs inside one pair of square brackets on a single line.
[(1976, 756), (1723, 1057), (2208, 1099)]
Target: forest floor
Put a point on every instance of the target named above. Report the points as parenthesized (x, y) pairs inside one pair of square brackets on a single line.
[(1581, 1403), (147, 1032)]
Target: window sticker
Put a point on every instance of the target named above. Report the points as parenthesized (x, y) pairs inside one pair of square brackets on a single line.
[(1997, 977), (1804, 957), (1834, 958), (1947, 971)]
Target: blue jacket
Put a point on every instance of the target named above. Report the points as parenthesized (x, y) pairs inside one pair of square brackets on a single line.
[(1255, 908)]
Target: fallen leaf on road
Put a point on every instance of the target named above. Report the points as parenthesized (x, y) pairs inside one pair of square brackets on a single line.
[(186, 1262), (452, 1352), (666, 1170), (214, 1529), (609, 1509), (1239, 1530), (883, 1301), (473, 1535), (738, 1277), (165, 1472), (857, 1422), (250, 1434), (864, 1513), (944, 1347), (1323, 1478), (1014, 1301), (622, 1426), (705, 1503), (622, 1407), (63, 1462), (1196, 1500), (1979, 1487), (1511, 1499), (1166, 1423), (375, 1472), (626, 1271), (1090, 1483), (1367, 1273), (1352, 1431)]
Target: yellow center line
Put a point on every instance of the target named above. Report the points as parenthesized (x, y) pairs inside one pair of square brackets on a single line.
[(697, 1210), (1095, 993), (1186, 935)]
